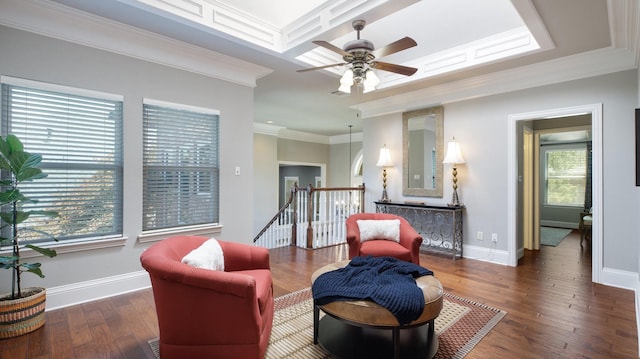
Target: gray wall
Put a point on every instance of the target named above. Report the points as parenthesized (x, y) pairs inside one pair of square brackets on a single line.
[(306, 176), (269, 150), (480, 125), (340, 165), (34, 57), (265, 181)]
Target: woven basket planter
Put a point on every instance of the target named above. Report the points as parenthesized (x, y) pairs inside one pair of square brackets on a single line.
[(23, 315)]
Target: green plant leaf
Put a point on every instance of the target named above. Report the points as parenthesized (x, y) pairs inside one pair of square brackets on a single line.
[(5, 151), (12, 195), (32, 161), (7, 260), (44, 251), (14, 144), (22, 216), (32, 268), (30, 174)]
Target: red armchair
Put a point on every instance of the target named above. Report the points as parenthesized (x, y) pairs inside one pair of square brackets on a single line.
[(206, 313), (407, 249)]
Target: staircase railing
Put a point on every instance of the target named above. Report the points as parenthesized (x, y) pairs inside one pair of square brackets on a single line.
[(312, 217)]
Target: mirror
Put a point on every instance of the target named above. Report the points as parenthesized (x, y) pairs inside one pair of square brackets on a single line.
[(422, 152)]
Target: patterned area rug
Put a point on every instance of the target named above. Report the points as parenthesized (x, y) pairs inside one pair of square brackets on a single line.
[(461, 325)]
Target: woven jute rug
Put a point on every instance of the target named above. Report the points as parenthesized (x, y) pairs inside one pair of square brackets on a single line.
[(461, 325)]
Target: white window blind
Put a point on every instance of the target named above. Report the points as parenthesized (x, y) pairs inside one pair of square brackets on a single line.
[(80, 140), (181, 170)]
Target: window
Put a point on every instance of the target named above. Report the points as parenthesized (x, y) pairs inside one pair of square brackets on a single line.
[(565, 175), (180, 166), (79, 135)]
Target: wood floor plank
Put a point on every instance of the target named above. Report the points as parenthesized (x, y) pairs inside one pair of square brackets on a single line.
[(554, 311)]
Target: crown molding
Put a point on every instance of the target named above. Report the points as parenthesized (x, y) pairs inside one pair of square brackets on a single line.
[(284, 133), (64, 23), (222, 19), (346, 138), (623, 54), (574, 67), (265, 129)]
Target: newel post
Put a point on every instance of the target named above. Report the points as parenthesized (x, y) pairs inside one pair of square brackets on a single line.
[(310, 217)]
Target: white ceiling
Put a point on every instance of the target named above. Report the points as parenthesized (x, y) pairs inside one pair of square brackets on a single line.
[(457, 40)]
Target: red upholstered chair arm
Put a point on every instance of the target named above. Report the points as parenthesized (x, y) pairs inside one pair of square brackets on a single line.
[(410, 238), (238, 256), (353, 238)]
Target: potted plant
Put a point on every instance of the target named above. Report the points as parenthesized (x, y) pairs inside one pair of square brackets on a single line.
[(22, 310)]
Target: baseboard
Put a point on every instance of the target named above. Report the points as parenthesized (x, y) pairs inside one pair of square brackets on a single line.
[(619, 278), (559, 224), (82, 292), (638, 311), (485, 254)]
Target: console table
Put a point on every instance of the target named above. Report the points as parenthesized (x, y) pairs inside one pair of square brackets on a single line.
[(439, 226)]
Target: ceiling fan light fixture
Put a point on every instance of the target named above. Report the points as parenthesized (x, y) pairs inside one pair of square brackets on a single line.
[(347, 78), (346, 81), (344, 88), (371, 80)]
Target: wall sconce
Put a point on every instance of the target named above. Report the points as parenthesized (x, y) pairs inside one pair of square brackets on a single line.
[(454, 157), (384, 161)]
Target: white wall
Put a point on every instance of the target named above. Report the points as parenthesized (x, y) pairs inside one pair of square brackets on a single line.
[(30, 56), (480, 126)]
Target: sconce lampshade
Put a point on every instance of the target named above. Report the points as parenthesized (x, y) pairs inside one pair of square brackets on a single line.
[(385, 158), (453, 153)]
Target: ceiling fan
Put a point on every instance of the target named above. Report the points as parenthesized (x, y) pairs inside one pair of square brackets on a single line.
[(360, 55)]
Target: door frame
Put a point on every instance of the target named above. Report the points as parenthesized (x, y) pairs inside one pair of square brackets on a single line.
[(512, 180)]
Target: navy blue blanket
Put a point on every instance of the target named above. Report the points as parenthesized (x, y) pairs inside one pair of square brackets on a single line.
[(386, 281)]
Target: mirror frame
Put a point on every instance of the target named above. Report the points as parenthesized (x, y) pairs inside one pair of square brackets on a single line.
[(438, 111)]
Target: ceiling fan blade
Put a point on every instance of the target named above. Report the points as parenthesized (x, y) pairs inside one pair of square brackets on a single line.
[(402, 44), (321, 67), (399, 69), (330, 46)]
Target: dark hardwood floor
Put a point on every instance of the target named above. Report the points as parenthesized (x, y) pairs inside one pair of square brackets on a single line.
[(554, 311)]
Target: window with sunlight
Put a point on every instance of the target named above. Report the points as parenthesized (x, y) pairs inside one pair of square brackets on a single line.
[(79, 135), (180, 166), (565, 175)]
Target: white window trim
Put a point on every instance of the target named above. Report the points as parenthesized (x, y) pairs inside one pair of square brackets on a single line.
[(79, 245), (179, 106), (14, 81), (196, 230)]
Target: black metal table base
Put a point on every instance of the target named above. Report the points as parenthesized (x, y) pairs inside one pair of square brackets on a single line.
[(349, 341)]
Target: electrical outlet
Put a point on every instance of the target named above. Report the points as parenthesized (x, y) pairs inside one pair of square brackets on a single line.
[(479, 236), (494, 237)]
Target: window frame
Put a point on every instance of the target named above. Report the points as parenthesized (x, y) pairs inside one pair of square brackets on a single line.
[(89, 240), (150, 234), (554, 147)]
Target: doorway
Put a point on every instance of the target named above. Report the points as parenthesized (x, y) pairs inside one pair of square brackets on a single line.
[(515, 246), (302, 173)]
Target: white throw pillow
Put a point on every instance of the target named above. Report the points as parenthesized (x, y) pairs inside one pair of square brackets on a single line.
[(208, 256), (388, 229)]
